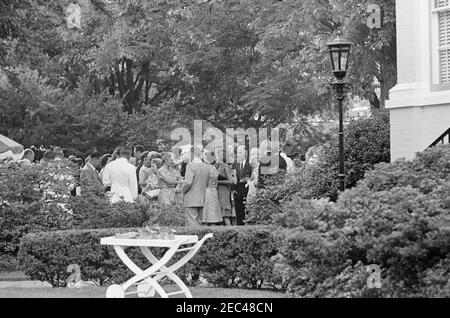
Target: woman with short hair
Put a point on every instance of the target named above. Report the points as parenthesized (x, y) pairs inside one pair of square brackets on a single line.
[(169, 179)]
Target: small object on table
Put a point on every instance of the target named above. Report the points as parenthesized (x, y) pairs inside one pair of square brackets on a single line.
[(128, 235)]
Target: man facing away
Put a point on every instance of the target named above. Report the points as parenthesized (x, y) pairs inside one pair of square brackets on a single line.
[(120, 175), (90, 181), (194, 188)]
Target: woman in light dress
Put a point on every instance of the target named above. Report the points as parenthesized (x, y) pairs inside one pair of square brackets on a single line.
[(253, 182), (212, 214), (169, 179)]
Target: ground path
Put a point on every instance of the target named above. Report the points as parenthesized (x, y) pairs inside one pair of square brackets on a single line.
[(17, 285)]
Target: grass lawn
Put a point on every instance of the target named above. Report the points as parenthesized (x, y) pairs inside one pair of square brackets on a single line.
[(100, 292)]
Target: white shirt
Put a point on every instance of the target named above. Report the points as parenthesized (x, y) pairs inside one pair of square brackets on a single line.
[(121, 176), (289, 162)]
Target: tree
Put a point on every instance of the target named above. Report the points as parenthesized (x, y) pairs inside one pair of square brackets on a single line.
[(237, 63), (131, 51), (235, 81), (317, 22)]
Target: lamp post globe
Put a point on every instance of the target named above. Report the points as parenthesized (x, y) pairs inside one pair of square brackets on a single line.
[(339, 50)]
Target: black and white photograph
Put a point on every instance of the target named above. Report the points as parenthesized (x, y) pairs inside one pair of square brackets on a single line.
[(242, 153)]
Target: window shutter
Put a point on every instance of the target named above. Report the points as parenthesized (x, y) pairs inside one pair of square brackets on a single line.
[(444, 44), (441, 3)]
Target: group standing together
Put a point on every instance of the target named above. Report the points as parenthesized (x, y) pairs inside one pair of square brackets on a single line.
[(212, 190)]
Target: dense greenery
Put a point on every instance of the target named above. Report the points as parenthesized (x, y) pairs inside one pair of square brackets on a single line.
[(398, 217), (367, 143), (234, 257), (138, 67), (32, 200)]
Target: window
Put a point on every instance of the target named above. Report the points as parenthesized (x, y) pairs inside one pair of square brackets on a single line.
[(442, 12)]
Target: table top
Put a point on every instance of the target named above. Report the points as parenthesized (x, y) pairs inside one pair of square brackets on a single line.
[(185, 239)]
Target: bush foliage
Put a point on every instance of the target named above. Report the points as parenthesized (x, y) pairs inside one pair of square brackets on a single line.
[(398, 218), (234, 257), (32, 200), (95, 212)]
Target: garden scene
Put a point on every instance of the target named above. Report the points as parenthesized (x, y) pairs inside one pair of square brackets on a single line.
[(333, 198)]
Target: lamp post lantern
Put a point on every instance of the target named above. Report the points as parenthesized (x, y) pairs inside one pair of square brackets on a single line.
[(339, 50)]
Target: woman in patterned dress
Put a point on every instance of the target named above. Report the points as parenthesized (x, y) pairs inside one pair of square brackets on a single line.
[(224, 191), (212, 214), (153, 188), (169, 178)]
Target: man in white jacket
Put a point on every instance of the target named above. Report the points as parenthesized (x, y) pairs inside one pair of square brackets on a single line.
[(120, 175)]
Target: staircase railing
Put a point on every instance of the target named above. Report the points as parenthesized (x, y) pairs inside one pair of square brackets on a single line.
[(442, 139)]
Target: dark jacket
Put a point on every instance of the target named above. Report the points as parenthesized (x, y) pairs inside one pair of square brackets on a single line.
[(90, 181), (243, 173)]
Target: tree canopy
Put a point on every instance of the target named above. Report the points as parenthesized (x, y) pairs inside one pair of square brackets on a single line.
[(136, 67)]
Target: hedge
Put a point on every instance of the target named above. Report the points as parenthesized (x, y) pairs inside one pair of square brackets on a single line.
[(235, 257), (97, 213)]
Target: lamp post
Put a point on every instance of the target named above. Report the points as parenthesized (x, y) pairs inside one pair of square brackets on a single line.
[(339, 50)]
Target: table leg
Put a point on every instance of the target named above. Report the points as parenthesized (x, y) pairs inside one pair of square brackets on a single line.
[(169, 271), (166, 271), (145, 275)]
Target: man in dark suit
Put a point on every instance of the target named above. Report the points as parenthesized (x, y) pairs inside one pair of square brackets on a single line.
[(243, 174), (90, 181)]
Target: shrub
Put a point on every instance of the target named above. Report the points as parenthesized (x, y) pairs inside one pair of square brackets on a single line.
[(436, 280), (367, 143), (235, 257), (8, 263), (398, 218), (32, 199), (265, 204)]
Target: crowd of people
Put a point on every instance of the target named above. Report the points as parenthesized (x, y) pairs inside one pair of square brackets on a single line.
[(212, 189)]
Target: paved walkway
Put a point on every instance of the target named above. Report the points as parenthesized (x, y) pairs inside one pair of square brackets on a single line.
[(24, 284), (20, 280)]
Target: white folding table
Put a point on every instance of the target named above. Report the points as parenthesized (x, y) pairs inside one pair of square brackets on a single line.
[(147, 280)]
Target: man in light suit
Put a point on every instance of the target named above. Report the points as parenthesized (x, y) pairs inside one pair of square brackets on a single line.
[(121, 176), (194, 188), (90, 181)]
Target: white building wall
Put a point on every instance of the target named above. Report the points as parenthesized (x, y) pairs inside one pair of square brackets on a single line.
[(419, 115), (413, 129)]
